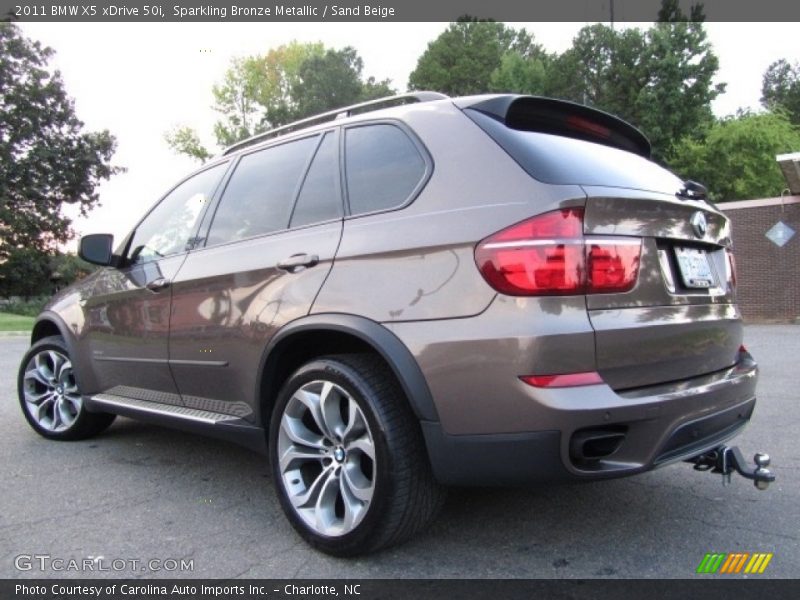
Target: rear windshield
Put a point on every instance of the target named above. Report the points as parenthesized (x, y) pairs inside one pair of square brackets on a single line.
[(563, 160)]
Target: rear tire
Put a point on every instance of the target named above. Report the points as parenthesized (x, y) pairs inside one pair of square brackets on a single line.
[(348, 458), (49, 395)]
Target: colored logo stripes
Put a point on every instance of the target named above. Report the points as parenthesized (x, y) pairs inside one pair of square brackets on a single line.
[(734, 562)]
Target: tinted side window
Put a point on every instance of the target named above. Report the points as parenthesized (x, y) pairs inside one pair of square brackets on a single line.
[(320, 199), (170, 225), (258, 197), (383, 167)]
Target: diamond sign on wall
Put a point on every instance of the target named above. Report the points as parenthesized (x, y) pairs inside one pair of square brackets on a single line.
[(780, 233)]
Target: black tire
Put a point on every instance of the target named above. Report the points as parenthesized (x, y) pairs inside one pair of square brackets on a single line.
[(405, 496), (81, 423)]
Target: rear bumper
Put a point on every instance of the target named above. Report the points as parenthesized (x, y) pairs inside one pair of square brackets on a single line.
[(661, 424)]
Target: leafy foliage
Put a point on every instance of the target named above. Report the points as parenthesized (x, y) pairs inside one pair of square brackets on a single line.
[(30, 273), (736, 160), (661, 80), (286, 84), (46, 159), (781, 88), (185, 140), (331, 80), (464, 58)]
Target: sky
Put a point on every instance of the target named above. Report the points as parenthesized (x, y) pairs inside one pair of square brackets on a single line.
[(139, 80)]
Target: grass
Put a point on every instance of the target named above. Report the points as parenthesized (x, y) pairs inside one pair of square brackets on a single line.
[(9, 322)]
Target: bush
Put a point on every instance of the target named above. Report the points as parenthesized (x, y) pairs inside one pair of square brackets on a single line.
[(30, 307)]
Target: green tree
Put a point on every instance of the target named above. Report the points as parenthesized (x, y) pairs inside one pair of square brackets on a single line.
[(254, 95), (736, 160), (661, 79), (287, 83), (463, 59), (26, 272), (67, 268), (604, 68), (184, 140), (781, 88), (47, 160), (521, 75), (676, 100), (329, 81), (374, 89)]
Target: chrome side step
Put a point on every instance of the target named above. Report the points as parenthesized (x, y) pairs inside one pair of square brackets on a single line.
[(204, 422), (110, 401)]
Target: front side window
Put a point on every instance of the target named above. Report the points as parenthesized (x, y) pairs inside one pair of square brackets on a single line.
[(258, 198), (169, 227), (383, 167)]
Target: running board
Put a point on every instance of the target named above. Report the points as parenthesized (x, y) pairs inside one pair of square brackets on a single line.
[(194, 420)]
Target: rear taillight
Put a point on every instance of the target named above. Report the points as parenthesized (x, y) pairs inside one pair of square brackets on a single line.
[(548, 255), (613, 264)]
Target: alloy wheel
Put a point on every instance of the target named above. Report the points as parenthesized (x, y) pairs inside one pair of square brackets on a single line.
[(50, 392)]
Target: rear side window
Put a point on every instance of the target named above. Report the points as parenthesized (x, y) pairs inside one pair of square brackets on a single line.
[(320, 198), (564, 160), (383, 167), (258, 198)]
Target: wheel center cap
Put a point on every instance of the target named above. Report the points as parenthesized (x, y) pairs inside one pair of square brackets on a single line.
[(339, 454), (60, 389)]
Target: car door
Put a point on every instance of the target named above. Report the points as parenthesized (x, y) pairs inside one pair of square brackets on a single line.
[(127, 314), (267, 252)]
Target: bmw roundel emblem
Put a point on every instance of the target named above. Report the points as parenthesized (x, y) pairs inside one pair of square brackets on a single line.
[(699, 224)]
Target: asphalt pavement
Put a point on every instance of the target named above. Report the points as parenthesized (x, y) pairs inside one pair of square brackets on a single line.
[(145, 496)]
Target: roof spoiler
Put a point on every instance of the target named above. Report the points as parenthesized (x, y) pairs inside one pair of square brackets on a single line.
[(560, 117)]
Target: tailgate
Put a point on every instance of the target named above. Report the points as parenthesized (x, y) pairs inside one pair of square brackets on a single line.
[(680, 320)]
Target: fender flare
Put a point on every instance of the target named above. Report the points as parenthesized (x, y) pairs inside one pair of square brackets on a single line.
[(385, 343)]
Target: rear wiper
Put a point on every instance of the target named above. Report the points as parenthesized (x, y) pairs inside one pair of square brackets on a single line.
[(692, 190)]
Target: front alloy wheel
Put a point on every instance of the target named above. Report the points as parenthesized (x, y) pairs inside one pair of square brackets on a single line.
[(49, 390), (49, 395)]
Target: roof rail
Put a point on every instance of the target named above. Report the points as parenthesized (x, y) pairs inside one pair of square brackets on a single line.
[(339, 113)]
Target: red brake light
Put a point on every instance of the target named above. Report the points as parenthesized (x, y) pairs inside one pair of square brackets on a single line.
[(548, 255), (587, 126), (540, 256)]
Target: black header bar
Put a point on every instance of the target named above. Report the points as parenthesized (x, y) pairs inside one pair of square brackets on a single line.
[(385, 10)]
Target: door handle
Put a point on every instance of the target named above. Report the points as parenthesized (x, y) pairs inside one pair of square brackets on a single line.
[(297, 262), (158, 284)]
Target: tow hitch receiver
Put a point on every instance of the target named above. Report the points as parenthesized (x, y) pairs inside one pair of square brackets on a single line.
[(727, 459)]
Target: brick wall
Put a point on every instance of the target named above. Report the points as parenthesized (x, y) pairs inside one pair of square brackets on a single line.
[(768, 275)]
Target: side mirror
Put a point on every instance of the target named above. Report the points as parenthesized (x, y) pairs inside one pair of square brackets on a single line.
[(97, 248)]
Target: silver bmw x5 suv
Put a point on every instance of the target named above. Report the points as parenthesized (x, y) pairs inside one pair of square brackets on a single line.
[(408, 294)]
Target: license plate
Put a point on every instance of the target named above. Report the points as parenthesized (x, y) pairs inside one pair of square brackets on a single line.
[(694, 267)]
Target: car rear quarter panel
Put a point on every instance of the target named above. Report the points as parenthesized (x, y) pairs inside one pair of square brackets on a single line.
[(417, 263)]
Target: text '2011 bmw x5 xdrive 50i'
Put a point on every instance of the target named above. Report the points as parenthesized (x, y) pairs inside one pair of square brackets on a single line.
[(408, 294)]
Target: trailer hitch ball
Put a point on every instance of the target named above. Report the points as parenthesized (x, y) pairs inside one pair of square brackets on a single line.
[(727, 460), (762, 474), (761, 482)]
